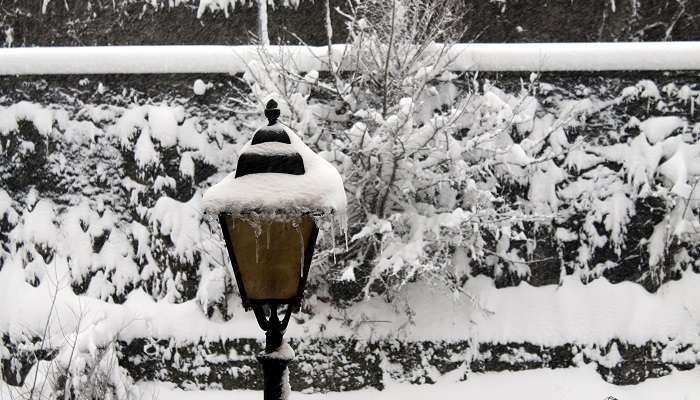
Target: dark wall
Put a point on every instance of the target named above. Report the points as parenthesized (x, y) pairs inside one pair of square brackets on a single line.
[(340, 364), (86, 23), (584, 20), (139, 23)]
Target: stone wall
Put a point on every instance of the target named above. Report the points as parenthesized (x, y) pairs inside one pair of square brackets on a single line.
[(347, 363)]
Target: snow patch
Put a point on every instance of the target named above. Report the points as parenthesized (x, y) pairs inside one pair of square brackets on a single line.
[(657, 129), (179, 221), (199, 87), (41, 117)]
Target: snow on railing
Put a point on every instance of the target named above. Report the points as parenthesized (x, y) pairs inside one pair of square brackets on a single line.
[(233, 59)]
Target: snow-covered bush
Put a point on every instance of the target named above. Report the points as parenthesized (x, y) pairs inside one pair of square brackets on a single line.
[(75, 354), (93, 373), (415, 150), (111, 192), (450, 176), (400, 106)]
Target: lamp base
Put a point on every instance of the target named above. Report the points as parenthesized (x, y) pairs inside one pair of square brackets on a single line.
[(276, 372)]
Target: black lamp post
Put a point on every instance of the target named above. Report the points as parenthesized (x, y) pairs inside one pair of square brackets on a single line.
[(270, 245), (271, 275)]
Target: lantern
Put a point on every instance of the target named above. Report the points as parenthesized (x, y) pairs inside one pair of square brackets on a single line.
[(270, 258), (267, 211)]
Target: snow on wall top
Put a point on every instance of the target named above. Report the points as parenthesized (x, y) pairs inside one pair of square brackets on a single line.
[(639, 56), (319, 190)]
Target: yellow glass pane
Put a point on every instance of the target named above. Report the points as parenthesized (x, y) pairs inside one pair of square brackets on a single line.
[(270, 255)]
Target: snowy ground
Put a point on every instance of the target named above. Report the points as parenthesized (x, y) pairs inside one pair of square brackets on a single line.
[(553, 315), (579, 383)]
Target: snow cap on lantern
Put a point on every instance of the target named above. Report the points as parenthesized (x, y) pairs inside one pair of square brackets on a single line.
[(278, 174), (278, 188)]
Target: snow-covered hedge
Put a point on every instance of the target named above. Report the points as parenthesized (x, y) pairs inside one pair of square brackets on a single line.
[(583, 178), (109, 181)]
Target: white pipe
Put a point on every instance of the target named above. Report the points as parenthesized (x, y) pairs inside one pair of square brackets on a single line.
[(234, 59), (263, 36), (636, 56)]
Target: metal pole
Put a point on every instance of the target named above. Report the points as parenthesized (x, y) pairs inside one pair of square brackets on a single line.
[(275, 360)]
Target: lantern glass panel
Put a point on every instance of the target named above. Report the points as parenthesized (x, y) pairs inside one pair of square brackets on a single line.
[(270, 255)]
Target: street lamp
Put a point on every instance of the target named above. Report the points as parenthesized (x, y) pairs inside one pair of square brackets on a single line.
[(268, 212)]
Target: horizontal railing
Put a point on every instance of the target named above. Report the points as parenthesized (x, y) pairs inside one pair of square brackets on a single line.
[(641, 56)]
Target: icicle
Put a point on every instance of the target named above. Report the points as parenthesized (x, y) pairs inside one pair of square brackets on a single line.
[(297, 228), (692, 106), (343, 220), (345, 235), (255, 223), (333, 241), (257, 249), (269, 228)]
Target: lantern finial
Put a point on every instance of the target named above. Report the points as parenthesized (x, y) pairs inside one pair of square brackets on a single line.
[(272, 112)]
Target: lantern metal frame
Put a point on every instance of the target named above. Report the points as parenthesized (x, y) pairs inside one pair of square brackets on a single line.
[(294, 303)]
